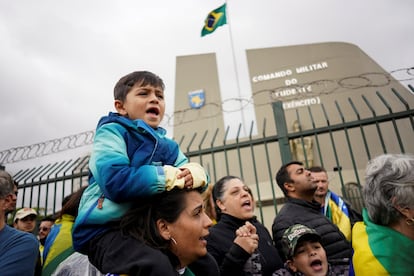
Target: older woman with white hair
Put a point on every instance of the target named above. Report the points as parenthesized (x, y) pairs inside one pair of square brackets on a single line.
[(384, 242)]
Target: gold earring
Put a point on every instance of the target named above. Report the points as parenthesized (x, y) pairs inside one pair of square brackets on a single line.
[(410, 221)]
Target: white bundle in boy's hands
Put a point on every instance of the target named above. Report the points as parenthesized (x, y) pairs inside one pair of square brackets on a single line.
[(197, 171)]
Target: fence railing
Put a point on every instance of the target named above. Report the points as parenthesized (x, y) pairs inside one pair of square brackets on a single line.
[(343, 148)]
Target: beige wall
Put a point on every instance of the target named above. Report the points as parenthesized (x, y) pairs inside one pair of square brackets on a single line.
[(194, 73), (335, 72), (331, 74)]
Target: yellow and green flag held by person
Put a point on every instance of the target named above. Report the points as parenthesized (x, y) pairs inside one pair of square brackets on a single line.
[(380, 250), (214, 19), (335, 209), (56, 252)]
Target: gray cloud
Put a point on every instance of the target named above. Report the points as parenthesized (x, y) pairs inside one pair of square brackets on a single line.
[(59, 60)]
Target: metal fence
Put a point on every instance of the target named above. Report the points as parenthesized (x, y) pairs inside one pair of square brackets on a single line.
[(341, 145)]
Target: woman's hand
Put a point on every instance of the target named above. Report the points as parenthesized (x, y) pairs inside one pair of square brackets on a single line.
[(247, 238)]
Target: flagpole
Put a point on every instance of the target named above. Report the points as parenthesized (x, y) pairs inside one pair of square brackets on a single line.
[(235, 67)]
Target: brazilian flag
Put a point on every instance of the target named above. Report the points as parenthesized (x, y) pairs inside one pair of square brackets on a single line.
[(380, 250), (215, 19)]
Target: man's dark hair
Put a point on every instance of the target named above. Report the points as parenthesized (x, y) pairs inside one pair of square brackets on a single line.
[(48, 218), (317, 169), (282, 176)]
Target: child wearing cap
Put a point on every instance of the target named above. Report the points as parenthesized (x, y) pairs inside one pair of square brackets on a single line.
[(305, 254)]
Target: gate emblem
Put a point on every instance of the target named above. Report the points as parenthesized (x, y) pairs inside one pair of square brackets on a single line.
[(196, 98)]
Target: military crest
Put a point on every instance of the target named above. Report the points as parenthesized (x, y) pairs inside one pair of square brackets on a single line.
[(196, 99)]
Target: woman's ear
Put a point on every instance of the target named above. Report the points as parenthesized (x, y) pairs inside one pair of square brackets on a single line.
[(119, 106), (163, 229), (220, 205), (404, 211)]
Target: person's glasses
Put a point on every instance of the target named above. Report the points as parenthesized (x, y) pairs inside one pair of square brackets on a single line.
[(44, 229)]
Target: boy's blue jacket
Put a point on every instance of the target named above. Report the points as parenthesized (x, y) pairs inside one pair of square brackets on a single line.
[(126, 163)]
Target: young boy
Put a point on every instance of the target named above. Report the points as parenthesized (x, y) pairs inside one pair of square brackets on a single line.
[(131, 158), (304, 253)]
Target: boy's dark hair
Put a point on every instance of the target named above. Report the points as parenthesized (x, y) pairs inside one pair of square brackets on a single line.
[(282, 176), (124, 85)]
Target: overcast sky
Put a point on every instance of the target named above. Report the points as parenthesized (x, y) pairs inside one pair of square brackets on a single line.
[(59, 60)]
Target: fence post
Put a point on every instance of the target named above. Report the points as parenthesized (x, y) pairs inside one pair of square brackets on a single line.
[(282, 131)]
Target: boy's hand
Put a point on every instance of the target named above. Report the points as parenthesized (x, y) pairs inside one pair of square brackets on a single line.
[(188, 178)]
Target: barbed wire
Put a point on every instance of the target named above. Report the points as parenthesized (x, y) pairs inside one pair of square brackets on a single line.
[(263, 97), (214, 109), (45, 148)]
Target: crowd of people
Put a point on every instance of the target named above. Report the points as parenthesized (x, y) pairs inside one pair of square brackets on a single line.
[(149, 211)]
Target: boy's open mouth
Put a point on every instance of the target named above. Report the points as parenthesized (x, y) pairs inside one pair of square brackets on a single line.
[(153, 110), (316, 264)]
